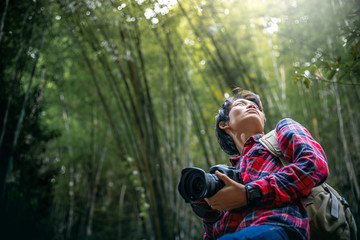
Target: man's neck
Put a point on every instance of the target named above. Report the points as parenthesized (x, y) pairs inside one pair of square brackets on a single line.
[(241, 138)]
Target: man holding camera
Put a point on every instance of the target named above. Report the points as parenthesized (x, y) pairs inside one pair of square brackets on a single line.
[(268, 204)]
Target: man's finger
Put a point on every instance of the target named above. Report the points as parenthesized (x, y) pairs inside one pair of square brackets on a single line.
[(223, 177)]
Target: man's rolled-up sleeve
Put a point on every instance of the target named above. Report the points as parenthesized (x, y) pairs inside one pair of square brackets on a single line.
[(307, 169)]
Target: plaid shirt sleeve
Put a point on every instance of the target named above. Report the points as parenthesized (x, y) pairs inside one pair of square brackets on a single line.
[(208, 223), (307, 168)]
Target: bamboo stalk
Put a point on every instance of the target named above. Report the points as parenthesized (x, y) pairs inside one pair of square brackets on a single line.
[(203, 46), (71, 184), (121, 106), (26, 97), (121, 209), (3, 20), (94, 192), (13, 79), (40, 97), (354, 127), (348, 162)]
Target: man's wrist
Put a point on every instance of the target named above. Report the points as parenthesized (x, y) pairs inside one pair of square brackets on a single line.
[(253, 195)]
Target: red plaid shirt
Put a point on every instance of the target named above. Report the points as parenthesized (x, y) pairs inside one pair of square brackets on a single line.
[(281, 187)]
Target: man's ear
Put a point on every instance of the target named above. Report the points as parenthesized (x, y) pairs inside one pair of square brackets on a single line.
[(223, 125)]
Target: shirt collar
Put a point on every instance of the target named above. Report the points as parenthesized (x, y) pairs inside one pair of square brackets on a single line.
[(253, 139), (247, 146)]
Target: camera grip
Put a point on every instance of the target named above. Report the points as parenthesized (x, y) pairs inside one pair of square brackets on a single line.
[(203, 210)]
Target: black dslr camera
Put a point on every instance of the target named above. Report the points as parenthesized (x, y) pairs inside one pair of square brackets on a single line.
[(195, 184)]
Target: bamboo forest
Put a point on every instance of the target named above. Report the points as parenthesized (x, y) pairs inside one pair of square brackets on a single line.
[(104, 102)]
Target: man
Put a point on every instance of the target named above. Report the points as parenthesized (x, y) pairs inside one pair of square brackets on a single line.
[(268, 205)]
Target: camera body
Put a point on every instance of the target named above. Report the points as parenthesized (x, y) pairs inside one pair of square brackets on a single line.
[(195, 184)]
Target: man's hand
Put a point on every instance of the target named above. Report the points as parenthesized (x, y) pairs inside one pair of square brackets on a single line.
[(231, 196)]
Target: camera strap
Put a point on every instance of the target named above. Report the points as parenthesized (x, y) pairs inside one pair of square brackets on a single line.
[(270, 142)]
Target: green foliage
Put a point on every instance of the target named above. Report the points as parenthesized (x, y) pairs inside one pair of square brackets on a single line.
[(342, 68)]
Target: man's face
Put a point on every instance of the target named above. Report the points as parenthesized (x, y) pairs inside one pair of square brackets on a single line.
[(245, 115)]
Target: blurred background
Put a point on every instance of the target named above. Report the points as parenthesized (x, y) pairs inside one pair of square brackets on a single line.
[(103, 102)]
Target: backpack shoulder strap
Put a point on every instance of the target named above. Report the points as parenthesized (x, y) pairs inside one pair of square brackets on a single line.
[(270, 142)]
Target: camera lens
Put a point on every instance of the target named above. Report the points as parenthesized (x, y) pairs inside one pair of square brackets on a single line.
[(197, 186), (192, 185)]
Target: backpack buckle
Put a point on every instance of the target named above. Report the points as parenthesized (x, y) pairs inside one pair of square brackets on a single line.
[(343, 201)]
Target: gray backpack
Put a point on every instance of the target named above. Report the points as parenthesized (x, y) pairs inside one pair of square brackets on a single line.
[(329, 213)]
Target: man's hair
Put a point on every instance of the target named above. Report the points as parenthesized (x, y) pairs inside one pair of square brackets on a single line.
[(226, 142)]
